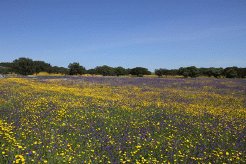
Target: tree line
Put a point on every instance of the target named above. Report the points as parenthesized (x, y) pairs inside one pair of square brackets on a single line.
[(192, 71), (27, 66)]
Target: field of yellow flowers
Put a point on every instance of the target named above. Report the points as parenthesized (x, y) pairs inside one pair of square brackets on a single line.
[(122, 120)]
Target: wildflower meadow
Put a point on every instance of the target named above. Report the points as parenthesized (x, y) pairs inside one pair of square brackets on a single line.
[(122, 120)]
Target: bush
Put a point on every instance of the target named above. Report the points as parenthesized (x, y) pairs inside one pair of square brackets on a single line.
[(189, 71), (76, 69), (140, 71), (105, 70), (24, 66)]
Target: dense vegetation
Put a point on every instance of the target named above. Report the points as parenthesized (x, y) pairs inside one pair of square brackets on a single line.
[(26, 66), (122, 120)]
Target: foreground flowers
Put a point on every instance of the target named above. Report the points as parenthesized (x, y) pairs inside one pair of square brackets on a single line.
[(120, 120)]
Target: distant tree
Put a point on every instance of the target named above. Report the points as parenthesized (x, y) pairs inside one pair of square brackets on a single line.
[(173, 72), (120, 71), (105, 70), (189, 71), (76, 69), (6, 67), (241, 72), (91, 71), (60, 70), (193, 71), (128, 70), (24, 66), (204, 72), (64, 70), (160, 72), (6, 64), (140, 71), (41, 66), (5, 70), (216, 72), (54, 69), (184, 72), (231, 72)]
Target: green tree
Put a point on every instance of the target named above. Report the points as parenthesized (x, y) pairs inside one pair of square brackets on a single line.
[(120, 71), (160, 72), (105, 70), (6, 67), (6, 64), (173, 72), (24, 66), (241, 72), (191, 71), (140, 71), (76, 69), (61, 70), (41, 66), (5, 70), (91, 71), (231, 72), (216, 72)]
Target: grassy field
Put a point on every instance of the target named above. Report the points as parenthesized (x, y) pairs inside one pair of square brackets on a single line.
[(122, 120)]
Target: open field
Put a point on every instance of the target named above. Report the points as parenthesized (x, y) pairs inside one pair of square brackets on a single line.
[(122, 120)]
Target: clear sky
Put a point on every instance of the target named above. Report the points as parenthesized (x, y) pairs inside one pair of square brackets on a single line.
[(128, 33)]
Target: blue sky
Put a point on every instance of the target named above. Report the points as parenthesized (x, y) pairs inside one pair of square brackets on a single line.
[(128, 33)]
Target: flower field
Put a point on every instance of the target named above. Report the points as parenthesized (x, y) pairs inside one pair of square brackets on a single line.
[(122, 120)]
